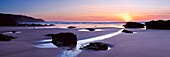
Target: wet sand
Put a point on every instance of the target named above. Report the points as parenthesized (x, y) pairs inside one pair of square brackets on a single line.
[(144, 43), (24, 45)]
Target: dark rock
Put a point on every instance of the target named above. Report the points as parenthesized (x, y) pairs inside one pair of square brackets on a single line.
[(6, 38), (96, 46), (50, 35), (13, 31), (64, 39), (14, 20), (159, 24), (133, 25), (90, 29), (71, 27), (127, 31)]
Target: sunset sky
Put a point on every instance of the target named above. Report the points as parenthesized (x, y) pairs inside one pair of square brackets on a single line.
[(89, 10)]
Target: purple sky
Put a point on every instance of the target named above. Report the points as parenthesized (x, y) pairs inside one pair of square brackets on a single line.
[(89, 10)]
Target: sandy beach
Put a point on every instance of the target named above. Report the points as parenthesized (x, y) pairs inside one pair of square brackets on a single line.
[(23, 46), (143, 43), (84, 28)]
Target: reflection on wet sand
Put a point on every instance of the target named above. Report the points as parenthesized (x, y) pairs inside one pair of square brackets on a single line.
[(75, 51)]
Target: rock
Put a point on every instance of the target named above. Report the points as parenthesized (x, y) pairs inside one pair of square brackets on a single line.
[(64, 39), (71, 27), (13, 31), (50, 35), (159, 24), (96, 46), (90, 29), (6, 38), (133, 25), (127, 31)]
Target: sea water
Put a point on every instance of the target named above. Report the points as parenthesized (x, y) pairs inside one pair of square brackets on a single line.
[(76, 24)]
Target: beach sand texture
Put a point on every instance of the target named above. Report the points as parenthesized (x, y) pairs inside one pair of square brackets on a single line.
[(143, 43)]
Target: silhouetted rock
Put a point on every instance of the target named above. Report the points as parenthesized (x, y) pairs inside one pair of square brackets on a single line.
[(14, 20), (6, 38), (50, 35), (71, 27), (159, 24), (13, 31), (127, 31), (64, 39), (133, 25), (90, 29), (96, 46)]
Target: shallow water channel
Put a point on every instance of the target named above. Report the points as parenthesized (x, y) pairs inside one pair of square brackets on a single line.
[(74, 52)]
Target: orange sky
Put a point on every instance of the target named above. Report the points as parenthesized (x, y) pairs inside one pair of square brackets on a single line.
[(108, 13), (123, 16), (89, 10)]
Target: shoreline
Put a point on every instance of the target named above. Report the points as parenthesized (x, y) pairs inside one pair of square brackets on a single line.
[(123, 44), (23, 46), (144, 43), (65, 26)]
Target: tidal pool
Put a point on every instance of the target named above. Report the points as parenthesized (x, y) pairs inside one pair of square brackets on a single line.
[(74, 52)]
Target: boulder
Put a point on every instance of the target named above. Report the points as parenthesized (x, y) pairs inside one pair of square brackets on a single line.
[(50, 35), (133, 25), (127, 31), (64, 39), (71, 27), (13, 31), (96, 46), (159, 24), (6, 38), (90, 29)]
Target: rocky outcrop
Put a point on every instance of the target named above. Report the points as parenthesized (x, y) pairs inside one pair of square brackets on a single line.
[(127, 31), (13, 20), (64, 39), (133, 25), (159, 24), (91, 29), (50, 35), (71, 27), (96, 46), (6, 38)]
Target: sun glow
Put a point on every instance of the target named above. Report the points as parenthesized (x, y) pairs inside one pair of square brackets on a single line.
[(126, 17)]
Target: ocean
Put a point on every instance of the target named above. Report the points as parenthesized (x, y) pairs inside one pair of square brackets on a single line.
[(81, 24), (66, 24)]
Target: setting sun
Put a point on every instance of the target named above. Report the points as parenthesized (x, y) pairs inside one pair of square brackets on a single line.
[(125, 17)]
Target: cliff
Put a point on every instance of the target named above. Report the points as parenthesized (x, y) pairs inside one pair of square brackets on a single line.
[(12, 20)]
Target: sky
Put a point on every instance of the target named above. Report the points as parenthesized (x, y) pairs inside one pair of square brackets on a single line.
[(89, 10)]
